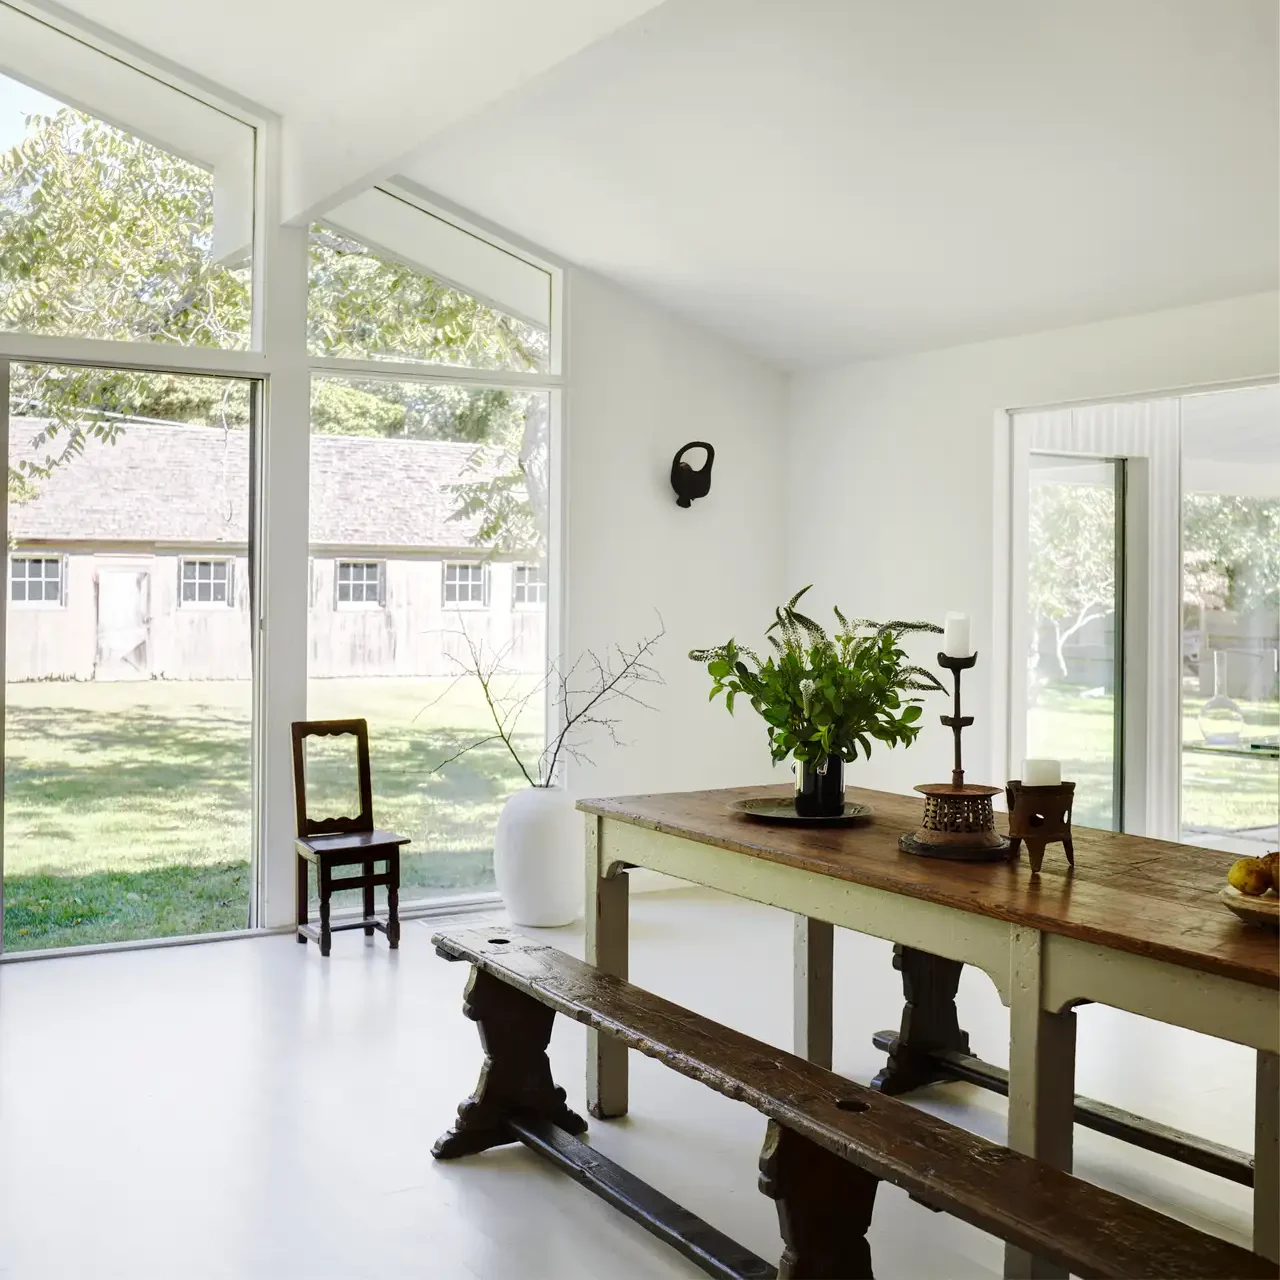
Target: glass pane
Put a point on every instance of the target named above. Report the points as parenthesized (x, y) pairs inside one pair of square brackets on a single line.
[(1072, 669), (370, 307), (429, 484), (104, 235), (127, 734), (1231, 619)]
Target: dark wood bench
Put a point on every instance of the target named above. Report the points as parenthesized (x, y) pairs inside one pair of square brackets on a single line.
[(828, 1143)]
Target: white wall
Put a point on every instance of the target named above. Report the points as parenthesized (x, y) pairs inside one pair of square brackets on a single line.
[(643, 384), (892, 470)]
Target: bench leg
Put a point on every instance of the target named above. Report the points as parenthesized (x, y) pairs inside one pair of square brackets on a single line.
[(824, 1207), (814, 958), (607, 924), (929, 1021), (368, 897), (516, 1078)]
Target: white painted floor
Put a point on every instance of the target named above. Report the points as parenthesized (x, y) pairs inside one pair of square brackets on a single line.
[(245, 1109)]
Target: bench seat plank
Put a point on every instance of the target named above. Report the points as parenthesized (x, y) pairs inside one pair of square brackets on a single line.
[(1091, 1231)]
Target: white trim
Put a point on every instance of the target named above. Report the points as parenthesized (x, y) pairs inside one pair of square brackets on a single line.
[(4, 627), (151, 357), (418, 371)]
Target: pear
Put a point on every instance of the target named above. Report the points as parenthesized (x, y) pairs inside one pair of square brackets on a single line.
[(1251, 876)]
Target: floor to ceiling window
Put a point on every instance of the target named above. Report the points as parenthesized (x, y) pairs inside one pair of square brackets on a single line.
[(128, 602), (156, 420), (429, 525), (1146, 595), (128, 657)]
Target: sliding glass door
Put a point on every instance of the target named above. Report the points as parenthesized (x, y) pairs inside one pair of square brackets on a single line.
[(1146, 604), (128, 656), (1230, 765), (1075, 515)]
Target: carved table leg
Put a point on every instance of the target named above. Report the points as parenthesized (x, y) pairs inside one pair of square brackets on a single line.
[(929, 1021), (824, 1208), (516, 1077)]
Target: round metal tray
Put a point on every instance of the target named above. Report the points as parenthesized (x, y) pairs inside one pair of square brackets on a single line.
[(783, 810)]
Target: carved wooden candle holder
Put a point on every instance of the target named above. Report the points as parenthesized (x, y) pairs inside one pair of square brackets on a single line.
[(959, 822), (1037, 817)]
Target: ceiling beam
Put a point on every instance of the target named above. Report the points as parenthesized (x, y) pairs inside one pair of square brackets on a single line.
[(461, 58)]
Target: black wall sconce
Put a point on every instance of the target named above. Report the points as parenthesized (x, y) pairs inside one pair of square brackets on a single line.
[(687, 482)]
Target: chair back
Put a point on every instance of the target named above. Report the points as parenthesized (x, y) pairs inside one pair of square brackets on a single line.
[(324, 771)]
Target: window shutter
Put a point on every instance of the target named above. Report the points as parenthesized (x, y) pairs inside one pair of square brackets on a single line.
[(62, 580), (382, 584)]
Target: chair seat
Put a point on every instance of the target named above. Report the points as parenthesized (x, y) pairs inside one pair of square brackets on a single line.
[(356, 844)]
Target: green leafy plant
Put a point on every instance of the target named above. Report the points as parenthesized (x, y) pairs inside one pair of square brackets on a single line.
[(826, 695)]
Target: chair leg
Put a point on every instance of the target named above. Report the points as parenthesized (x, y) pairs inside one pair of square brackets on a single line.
[(393, 899), (300, 898), (325, 894), (368, 897)]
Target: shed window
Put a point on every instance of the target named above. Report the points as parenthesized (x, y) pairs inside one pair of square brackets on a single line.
[(36, 580), (466, 584), (360, 583), (205, 582), (529, 585)]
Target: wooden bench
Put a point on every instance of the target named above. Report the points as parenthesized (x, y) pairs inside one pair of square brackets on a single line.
[(828, 1143)]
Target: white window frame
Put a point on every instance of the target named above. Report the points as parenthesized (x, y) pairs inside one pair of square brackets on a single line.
[(379, 600), (539, 584), (486, 579), (278, 363), (41, 604), (211, 561)]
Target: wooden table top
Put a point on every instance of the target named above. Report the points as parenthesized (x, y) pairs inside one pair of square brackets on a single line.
[(1127, 892)]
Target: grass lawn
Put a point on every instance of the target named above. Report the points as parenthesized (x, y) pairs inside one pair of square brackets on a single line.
[(127, 806), (1220, 794)]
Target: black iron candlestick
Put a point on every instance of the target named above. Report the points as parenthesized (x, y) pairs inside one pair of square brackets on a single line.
[(959, 821), (957, 723)]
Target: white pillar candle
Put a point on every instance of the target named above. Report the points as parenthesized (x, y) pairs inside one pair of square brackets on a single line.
[(955, 638), (1041, 773)]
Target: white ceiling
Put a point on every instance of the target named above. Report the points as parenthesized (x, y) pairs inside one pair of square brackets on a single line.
[(816, 179), (827, 179), (358, 87)]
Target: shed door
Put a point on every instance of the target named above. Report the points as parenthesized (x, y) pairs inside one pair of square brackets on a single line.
[(124, 620)]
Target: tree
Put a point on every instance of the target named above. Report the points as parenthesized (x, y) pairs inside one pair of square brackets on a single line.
[(1231, 552), (1072, 578), (103, 235)]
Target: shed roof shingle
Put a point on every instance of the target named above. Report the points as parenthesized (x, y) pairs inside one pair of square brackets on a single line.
[(160, 483)]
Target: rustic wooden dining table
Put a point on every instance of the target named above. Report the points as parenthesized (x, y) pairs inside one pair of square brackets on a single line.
[(1136, 925)]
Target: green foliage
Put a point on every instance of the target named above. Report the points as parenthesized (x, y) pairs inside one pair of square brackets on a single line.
[(104, 235), (823, 695), (1231, 552)]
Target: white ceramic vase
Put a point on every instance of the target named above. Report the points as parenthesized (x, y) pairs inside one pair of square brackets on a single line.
[(537, 858)]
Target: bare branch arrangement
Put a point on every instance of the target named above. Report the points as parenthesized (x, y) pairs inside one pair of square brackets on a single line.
[(588, 696)]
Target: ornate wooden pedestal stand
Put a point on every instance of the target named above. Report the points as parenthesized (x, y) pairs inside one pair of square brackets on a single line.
[(959, 822)]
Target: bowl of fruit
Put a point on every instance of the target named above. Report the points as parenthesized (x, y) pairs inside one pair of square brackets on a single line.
[(1253, 890)]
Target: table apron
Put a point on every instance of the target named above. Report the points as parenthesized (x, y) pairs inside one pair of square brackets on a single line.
[(1074, 971), (977, 940), (1227, 1008)]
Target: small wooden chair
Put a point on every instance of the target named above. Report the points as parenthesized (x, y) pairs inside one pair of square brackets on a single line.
[(332, 842)]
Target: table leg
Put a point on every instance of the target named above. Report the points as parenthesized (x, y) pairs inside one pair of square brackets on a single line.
[(607, 927), (1266, 1159), (1042, 1071), (811, 1001), (929, 1021)]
